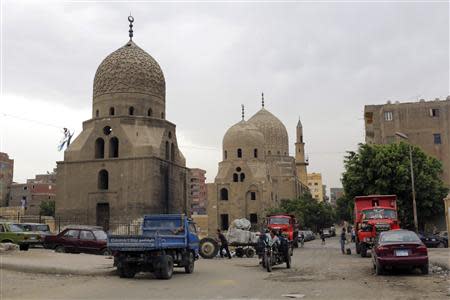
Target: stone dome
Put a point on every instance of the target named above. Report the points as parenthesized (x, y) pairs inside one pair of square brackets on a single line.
[(129, 69), (275, 133), (241, 135)]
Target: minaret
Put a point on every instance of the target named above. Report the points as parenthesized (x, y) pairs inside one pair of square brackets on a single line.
[(300, 161)]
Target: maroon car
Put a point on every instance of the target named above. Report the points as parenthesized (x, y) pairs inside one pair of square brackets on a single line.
[(399, 248), (76, 239)]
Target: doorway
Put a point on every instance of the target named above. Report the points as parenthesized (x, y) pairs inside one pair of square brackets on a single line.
[(102, 214)]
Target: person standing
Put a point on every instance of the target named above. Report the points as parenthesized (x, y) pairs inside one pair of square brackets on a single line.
[(343, 239), (322, 236), (223, 244)]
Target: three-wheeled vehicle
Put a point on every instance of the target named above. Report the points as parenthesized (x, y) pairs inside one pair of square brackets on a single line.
[(167, 241)]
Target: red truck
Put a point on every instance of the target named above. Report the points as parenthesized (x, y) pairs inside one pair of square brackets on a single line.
[(287, 224), (373, 214)]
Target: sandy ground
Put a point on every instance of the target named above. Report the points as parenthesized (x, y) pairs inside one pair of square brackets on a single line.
[(319, 272)]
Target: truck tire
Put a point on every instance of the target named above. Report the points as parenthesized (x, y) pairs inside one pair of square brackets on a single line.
[(165, 270), (126, 270), (249, 252), (363, 250), (208, 248), (190, 262), (24, 247)]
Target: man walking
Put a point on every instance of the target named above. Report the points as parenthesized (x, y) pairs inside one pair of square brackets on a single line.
[(223, 244), (343, 239)]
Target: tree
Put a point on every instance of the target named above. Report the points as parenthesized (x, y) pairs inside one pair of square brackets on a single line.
[(385, 169), (47, 208), (344, 209), (309, 212)]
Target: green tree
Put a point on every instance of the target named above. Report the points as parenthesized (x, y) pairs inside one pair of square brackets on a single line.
[(344, 209), (385, 169), (309, 212), (47, 208)]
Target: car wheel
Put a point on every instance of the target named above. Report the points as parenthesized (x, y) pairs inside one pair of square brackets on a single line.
[(60, 249), (379, 270), (424, 269), (105, 252), (24, 247), (441, 245)]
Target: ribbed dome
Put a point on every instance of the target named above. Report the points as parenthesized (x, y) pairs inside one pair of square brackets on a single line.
[(129, 70), (274, 131), (243, 135)]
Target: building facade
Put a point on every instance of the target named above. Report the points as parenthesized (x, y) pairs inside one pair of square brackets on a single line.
[(197, 191), (426, 123), (255, 174), (335, 193), (31, 194), (126, 161), (6, 178), (315, 186)]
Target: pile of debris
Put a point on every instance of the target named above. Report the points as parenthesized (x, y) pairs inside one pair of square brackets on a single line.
[(239, 233), (435, 269), (8, 247)]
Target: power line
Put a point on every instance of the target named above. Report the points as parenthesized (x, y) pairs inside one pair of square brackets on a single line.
[(31, 120)]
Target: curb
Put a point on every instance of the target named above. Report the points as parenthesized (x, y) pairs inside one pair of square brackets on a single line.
[(56, 270)]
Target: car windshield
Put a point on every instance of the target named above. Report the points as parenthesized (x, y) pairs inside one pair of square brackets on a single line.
[(379, 213), (15, 228), (100, 235), (399, 236), (278, 221)]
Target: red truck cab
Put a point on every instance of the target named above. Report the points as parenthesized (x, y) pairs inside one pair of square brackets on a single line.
[(373, 214), (287, 224)]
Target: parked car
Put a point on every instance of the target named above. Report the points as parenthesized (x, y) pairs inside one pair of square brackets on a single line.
[(42, 229), (308, 234), (433, 240), (399, 248), (444, 236), (10, 233), (76, 239)]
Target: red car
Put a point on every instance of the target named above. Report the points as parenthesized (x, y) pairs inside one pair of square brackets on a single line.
[(399, 248), (76, 239)]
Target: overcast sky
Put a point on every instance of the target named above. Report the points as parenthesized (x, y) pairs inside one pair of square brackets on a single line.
[(321, 62)]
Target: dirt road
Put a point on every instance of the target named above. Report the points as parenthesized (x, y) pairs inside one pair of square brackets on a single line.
[(319, 272)]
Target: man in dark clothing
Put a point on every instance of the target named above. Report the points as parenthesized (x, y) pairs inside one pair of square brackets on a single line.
[(223, 244), (343, 240)]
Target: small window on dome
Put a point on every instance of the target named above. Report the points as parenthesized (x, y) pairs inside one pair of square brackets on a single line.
[(97, 113), (149, 112), (235, 177), (255, 153), (239, 153), (238, 169), (162, 115), (170, 135), (131, 110), (225, 154), (111, 111)]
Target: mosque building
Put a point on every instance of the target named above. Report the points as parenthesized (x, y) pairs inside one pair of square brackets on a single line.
[(126, 161), (256, 171)]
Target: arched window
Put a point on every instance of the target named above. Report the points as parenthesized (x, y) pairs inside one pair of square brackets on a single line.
[(103, 180), (239, 153), (225, 154), (111, 111), (255, 153), (223, 194), (172, 152), (235, 177), (162, 115), (97, 113), (114, 147), (99, 148), (278, 152), (269, 152), (242, 177), (167, 150), (131, 110), (149, 112)]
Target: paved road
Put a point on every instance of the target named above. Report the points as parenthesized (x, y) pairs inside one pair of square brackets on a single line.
[(319, 272)]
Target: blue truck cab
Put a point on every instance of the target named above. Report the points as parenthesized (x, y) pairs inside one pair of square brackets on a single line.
[(167, 241)]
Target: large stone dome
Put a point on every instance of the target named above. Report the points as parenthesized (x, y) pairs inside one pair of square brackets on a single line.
[(244, 136), (274, 131), (129, 69)]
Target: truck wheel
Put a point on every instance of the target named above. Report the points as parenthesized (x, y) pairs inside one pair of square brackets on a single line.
[(249, 252), (424, 269), (208, 248), (363, 250), (127, 270), (60, 249), (239, 252), (189, 268), (358, 248), (24, 247), (166, 267)]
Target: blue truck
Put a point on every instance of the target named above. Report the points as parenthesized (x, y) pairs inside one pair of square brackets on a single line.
[(167, 241)]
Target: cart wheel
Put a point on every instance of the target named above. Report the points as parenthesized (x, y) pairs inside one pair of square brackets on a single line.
[(249, 252), (208, 248), (239, 252)]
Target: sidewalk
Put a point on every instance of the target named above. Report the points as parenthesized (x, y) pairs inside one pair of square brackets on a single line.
[(439, 257), (49, 262)]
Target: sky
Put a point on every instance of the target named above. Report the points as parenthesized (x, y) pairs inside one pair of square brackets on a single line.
[(318, 61)]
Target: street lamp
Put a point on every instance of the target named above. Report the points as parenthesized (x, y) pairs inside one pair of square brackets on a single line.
[(405, 137)]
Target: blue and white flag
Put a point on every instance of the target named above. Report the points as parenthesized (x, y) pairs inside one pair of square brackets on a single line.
[(65, 141)]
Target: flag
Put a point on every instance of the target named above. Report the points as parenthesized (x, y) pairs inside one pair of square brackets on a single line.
[(65, 141)]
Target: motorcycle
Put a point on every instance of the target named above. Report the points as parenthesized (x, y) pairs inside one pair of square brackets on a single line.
[(276, 254)]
